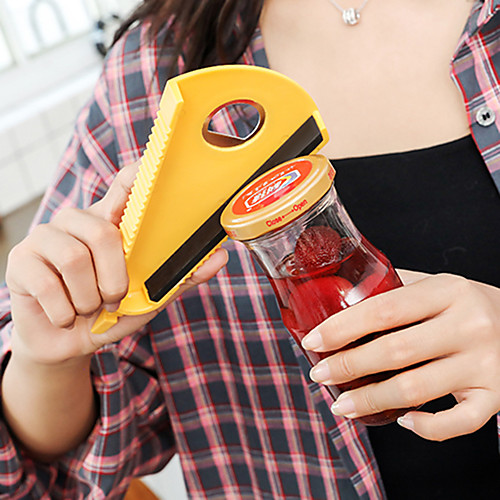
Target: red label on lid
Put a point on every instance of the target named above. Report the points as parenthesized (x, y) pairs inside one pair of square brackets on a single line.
[(271, 187)]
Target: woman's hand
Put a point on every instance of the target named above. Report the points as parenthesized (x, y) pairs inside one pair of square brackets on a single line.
[(64, 272), (59, 278), (449, 322)]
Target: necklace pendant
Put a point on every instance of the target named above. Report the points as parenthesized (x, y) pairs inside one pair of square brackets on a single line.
[(351, 16)]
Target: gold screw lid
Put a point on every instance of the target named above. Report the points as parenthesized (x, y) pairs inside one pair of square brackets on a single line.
[(277, 197)]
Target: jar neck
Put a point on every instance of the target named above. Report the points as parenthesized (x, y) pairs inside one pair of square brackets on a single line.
[(329, 202)]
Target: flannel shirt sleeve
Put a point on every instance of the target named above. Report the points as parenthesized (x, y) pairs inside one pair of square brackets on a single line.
[(133, 435)]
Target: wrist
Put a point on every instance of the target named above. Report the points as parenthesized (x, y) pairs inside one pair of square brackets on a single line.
[(32, 366), (36, 369), (49, 407), (51, 358)]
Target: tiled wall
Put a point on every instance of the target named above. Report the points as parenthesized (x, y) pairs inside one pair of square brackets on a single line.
[(32, 140)]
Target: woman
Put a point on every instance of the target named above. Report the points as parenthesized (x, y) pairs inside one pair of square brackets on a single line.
[(214, 377)]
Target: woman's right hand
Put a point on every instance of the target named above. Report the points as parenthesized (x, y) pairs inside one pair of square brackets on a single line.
[(59, 278), (65, 271)]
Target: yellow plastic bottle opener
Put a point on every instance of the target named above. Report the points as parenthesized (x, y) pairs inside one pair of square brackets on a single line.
[(188, 173)]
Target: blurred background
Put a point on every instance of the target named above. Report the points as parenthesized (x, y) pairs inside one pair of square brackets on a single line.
[(51, 52)]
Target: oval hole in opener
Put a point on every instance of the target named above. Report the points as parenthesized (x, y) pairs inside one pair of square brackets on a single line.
[(233, 123)]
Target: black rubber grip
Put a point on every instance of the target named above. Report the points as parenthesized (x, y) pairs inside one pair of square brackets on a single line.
[(305, 140)]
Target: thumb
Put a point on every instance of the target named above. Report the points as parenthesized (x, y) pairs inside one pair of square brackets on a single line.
[(111, 207)]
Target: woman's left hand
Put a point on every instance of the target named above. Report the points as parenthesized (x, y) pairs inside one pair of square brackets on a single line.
[(450, 322)]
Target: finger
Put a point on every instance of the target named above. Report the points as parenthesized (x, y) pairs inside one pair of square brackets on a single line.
[(104, 242), (395, 308), (408, 277), (48, 290), (408, 389), (396, 350), (73, 262), (111, 207), (464, 418)]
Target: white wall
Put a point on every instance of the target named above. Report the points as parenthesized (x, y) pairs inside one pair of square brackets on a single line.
[(33, 138), (168, 484)]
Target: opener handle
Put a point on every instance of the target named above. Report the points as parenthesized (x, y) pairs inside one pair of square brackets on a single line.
[(187, 173)]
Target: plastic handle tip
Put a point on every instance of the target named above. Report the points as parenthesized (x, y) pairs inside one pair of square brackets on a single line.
[(105, 321)]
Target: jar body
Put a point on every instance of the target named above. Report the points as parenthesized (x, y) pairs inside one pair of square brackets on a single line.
[(311, 285)]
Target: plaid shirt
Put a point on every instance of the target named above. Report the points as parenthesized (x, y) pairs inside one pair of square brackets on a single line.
[(215, 377)]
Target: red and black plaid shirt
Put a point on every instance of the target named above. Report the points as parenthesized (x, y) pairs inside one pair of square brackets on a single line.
[(215, 378)]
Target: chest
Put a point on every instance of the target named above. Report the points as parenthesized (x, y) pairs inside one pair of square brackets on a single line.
[(381, 86)]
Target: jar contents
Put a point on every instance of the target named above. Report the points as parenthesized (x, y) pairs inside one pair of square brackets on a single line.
[(325, 274)]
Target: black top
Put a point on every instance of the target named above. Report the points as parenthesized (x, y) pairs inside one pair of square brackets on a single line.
[(434, 210)]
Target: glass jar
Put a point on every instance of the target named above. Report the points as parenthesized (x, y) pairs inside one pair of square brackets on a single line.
[(317, 261)]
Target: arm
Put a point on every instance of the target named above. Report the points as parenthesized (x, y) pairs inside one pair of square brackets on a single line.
[(47, 394), (59, 277)]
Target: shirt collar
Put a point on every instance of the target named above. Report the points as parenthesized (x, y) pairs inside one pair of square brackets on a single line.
[(481, 12)]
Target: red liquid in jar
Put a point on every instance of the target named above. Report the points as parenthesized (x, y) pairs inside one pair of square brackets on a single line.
[(307, 298)]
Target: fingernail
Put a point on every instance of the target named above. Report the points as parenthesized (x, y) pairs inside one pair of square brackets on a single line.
[(407, 422), (320, 372), (312, 340), (344, 406), (112, 307)]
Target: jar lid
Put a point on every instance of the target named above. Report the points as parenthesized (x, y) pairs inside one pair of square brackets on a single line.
[(277, 197)]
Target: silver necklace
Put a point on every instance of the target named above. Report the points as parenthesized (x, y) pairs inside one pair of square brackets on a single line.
[(351, 15)]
